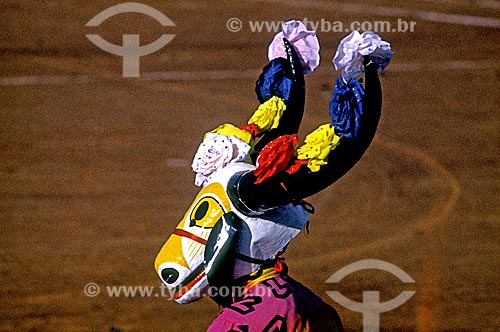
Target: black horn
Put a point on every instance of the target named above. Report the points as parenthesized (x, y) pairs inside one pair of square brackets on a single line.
[(284, 188)]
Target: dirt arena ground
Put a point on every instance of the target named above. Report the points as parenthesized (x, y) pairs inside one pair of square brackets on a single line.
[(94, 168)]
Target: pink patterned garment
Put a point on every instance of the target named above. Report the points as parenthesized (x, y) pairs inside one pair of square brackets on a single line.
[(278, 304)]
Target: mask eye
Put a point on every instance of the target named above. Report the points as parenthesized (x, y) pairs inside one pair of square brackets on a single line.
[(169, 275), (206, 213), (201, 211)]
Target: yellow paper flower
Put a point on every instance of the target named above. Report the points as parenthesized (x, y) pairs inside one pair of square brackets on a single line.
[(317, 146), (230, 130), (269, 113)]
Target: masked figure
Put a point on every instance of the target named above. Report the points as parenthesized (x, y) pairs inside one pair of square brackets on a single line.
[(254, 178)]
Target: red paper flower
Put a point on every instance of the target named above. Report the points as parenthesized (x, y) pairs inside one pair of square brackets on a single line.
[(251, 128), (275, 157)]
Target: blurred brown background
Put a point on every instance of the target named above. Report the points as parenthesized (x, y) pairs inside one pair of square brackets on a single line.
[(94, 167)]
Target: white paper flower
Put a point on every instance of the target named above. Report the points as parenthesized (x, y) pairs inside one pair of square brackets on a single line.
[(349, 55), (216, 152), (305, 42)]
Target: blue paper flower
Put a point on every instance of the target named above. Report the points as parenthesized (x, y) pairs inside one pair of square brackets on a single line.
[(273, 81), (346, 107)]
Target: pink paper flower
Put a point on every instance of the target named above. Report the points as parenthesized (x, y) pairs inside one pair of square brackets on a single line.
[(305, 42), (215, 153), (349, 55)]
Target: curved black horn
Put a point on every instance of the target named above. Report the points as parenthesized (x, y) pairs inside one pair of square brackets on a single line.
[(285, 188)]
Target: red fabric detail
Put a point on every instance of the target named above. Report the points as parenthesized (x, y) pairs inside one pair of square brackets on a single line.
[(280, 266), (297, 163), (251, 128), (275, 157)]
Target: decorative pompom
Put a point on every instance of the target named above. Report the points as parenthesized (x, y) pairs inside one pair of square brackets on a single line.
[(215, 152), (349, 55), (275, 157), (274, 82), (268, 115), (317, 147), (305, 43), (346, 107)]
